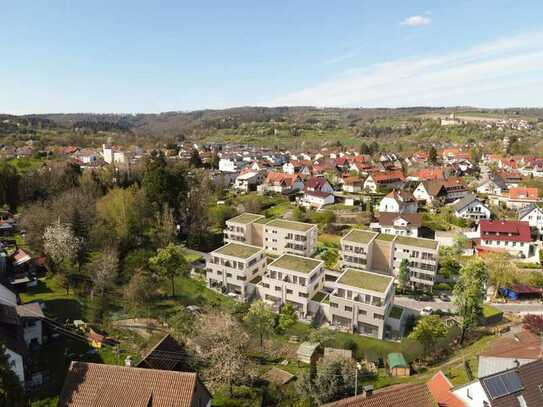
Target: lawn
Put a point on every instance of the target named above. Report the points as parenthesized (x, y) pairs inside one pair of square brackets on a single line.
[(329, 240)]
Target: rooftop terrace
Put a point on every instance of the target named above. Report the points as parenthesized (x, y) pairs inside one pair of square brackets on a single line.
[(359, 236), (296, 263), (365, 280), (239, 250)]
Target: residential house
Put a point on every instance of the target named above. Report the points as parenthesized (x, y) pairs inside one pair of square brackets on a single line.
[(356, 249), (398, 201), (318, 184), (509, 351), (422, 256), (532, 214), (12, 336), (248, 181), (471, 207), (353, 185), (230, 164), (520, 197), (31, 317), (493, 185), (292, 279), (513, 237), (316, 199), (441, 389), (361, 301), (284, 236), (240, 229), (428, 174), (521, 386), (404, 224), (438, 192), (100, 385), (378, 180), (177, 360), (233, 266), (282, 183), (511, 178)]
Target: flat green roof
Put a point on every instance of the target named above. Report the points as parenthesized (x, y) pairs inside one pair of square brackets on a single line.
[(288, 224), (296, 263), (417, 241), (359, 236), (246, 218), (242, 251), (385, 236), (365, 280)]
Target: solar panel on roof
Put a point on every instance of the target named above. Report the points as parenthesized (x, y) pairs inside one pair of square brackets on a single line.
[(503, 384)]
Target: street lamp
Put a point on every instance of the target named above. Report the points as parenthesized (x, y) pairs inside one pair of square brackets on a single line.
[(357, 368)]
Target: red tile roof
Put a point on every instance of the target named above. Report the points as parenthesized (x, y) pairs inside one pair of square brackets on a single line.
[(404, 395), (426, 174), (387, 176), (505, 230), (440, 387), (523, 193), (97, 385), (524, 345)]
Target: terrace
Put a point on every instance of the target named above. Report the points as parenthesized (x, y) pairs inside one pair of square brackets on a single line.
[(296, 263)]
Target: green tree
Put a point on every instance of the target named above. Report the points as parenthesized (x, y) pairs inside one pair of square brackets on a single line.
[(403, 277), (9, 185), (195, 159), (260, 320), (141, 290), (449, 267), (287, 317), (428, 331), (502, 272), (170, 263), (11, 391), (432, 155), (469, 294)]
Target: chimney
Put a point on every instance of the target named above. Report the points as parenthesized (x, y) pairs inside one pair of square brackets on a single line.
[(367, 391)]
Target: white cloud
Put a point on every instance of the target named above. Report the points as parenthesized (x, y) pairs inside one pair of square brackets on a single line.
[(476, 76), (416, 21), (340, 58)]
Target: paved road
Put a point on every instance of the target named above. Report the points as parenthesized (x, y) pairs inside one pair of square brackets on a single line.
[(446, 306)]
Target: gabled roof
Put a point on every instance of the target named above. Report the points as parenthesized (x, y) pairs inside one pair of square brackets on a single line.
[(388, 218), (404, 395), (523, 193), (465, 201), (440, 387), (167, 354), (97, 385), (508, 230), (527, 210), (387, 176), (315, 183), (401, 196)]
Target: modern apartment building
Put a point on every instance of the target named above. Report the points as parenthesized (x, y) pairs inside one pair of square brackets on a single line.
[(356, 249), (240, 229), (231, 267), (285, 236), (292, 279), (361, 302), (422, 256)]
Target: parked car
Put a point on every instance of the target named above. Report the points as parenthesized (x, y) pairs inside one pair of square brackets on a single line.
[(444, 297), (426, 311), (423, 297)]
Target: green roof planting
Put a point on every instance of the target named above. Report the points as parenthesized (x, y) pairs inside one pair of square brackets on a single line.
[(386, 237), (246, 218), (291, 225), (417, 241), (242, 251), (396, 359), (296, 263), (365, 280), (359, 236)]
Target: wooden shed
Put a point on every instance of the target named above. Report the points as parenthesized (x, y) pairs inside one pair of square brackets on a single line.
[(397, 365)]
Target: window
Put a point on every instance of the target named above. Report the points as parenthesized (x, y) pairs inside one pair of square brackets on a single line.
[(348, 309), (277, 288), (362, 312), (289, 291), (333, 305)]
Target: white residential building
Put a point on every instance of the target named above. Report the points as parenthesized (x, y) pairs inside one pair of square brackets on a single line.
[(532, 214), (231, 267), (292, 279), (361, 302), (422, 256), (471, 207), (356, 249), (240, 229), (285, 236), (398, 201)]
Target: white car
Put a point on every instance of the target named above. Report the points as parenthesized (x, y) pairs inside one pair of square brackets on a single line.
[(426, 311)]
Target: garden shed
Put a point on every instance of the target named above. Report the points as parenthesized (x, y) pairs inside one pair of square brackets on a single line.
[(397, 365)]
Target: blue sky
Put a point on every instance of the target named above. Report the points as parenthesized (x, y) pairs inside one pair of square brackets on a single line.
[(153, 56)]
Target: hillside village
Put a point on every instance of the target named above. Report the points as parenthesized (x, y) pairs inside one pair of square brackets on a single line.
[(303, 254)]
